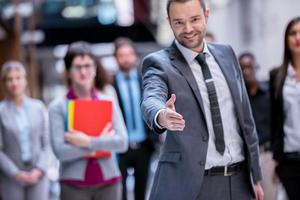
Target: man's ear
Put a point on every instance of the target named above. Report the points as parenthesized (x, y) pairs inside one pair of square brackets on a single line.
[(169, 20), (206, 14)]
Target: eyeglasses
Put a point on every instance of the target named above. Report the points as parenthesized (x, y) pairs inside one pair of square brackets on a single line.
[(87, 67)]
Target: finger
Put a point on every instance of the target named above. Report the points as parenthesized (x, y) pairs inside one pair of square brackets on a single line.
[(72, 131), (175, 120), (68, 138), (112, 132), (176, 128), (178, 124), (171, 102), (107, 127), (172, 114)]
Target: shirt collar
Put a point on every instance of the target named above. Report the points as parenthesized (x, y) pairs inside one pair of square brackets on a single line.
[(23, 105), (291, 71), (132, 74), (72, 96), (189, 54)]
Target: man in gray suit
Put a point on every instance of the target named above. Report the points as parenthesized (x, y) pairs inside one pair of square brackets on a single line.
[(196, 92)]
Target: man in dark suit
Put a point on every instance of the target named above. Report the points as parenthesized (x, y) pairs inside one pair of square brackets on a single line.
[(196, 92), (127, 83)]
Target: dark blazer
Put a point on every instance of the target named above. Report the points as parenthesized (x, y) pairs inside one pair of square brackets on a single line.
[(151, 139), (277, 115), (182, 161)]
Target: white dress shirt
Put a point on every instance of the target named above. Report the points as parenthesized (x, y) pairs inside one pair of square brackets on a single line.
[(291, 102), (233, 142)]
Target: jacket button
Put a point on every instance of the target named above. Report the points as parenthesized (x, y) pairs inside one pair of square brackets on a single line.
[(204, 139), (202, 163)]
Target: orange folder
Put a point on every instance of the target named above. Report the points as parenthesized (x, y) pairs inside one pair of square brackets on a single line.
[(90, 117)]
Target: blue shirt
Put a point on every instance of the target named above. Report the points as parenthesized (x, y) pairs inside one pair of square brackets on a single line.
[(24, 136), (132, 110)]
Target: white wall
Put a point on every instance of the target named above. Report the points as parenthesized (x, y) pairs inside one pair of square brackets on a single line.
[(248, 25)]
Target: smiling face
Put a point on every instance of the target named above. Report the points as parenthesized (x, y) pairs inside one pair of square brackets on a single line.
[(188, 21), (293, 39), (83, 71)]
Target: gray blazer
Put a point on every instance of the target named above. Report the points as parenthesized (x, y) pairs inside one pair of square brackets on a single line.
[(10, 151), (182, 161), (72, 161)]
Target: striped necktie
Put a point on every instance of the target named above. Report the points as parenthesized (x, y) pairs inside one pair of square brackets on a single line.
[(214, 105)]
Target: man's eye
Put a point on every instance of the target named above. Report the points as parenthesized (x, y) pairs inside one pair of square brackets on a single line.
[(178, 23), (195, 19)]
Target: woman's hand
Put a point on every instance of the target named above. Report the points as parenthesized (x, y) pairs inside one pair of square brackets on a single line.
[(78, 138), (25, 178), (35, 175)]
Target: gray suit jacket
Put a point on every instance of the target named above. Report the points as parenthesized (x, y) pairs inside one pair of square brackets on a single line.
[(182, 161), (10, 151), (72, 161)]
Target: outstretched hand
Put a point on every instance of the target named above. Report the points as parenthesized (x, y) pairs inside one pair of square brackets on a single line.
[(169, 118)]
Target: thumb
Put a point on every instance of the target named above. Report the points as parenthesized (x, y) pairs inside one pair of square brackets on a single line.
[(171, 102)]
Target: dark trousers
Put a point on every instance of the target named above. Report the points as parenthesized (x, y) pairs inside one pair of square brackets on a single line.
[(139, 160), (108, 192), (235, 187), (289, 174)]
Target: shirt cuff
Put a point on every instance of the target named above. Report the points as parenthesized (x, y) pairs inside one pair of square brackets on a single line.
[(155, 119)]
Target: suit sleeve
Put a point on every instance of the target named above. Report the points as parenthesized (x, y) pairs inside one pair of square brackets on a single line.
[(6, 164), (43, 156), (62, 150), (119, 141), (155, 92), (249, 128)]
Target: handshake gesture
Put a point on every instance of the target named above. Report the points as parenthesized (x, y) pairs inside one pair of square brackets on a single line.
[(169, 118)]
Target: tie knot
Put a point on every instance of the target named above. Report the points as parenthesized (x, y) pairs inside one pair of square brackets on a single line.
[(201, 58)]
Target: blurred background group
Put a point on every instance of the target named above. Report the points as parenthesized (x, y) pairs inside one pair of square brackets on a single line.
[(36, 33)]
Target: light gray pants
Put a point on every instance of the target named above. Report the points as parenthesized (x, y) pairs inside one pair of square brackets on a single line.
[(235, 187), (110, 192), (12, 190)]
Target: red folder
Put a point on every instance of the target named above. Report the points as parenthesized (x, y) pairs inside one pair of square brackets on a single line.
[(90, 117)]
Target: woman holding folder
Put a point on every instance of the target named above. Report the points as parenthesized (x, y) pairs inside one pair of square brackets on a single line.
[(84, 177), (24, 141)]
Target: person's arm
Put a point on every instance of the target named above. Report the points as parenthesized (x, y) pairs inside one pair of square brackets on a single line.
[(116, 142), (7, 166), (155, 93), (62, 149), (158, 111), (45, 143)]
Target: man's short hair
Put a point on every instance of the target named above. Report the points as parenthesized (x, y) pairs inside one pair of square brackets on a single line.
[(123, 41), (202, 3)]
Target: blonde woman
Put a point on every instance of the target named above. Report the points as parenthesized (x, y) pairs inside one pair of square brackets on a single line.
[(23, 139)]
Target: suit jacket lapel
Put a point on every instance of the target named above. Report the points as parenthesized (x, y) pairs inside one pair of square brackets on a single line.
[(179, 62), (232, 77), (11, 119)]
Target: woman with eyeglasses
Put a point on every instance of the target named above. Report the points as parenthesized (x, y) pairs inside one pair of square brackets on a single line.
[(24, 140), (285, 101), (85, 178)]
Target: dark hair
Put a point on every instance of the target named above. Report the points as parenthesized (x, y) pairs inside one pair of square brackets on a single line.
[(82, 48), (202, 3), (287, 55), (122, 41), (247, 54)]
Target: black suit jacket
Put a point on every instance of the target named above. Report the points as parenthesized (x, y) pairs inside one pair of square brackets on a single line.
[(151, 139), (277, 115)]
